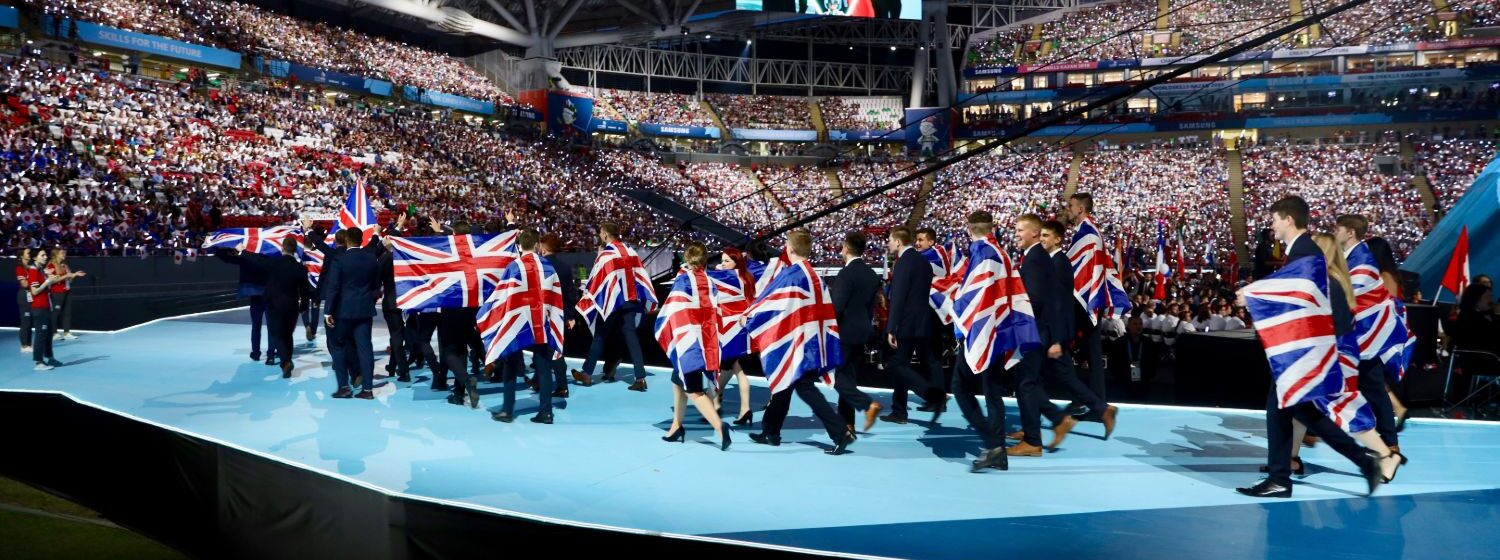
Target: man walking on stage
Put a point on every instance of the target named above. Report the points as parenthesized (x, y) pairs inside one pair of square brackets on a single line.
[(1061, 368), (524, 313), (1086, 252), (910, 327), (619, 292), (286, 293), (854, 292)]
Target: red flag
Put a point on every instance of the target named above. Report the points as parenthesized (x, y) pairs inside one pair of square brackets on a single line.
[(1181, 260), (1457, 276), (1234, 268)]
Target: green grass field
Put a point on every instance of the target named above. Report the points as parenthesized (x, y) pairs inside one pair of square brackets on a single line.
[(35, 524)]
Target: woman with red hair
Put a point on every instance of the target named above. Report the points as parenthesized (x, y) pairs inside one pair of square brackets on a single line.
[(737, 352)]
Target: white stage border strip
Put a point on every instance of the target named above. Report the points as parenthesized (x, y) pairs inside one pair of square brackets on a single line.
[(151, 322), (451, 503)]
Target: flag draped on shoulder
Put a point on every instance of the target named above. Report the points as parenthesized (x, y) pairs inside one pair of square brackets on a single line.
[(449, 271), (1380, 328), (264, 241), (356, 212), (1348, 408), (764, 273), (313, 260), (793, 326), (732, 300), (688, 325), (947, 273), (524, 310), (618, 277), (1095, 283), (1294, 319), (992, 313)]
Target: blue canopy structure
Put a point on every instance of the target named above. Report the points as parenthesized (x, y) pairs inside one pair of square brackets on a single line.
[(1479, 209)]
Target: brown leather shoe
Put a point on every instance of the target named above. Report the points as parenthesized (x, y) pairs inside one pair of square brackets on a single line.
[(584, 380), (1023, 449), (1060, 431), (639, 385), (870, 415), (1018, 436), (1110, 412)]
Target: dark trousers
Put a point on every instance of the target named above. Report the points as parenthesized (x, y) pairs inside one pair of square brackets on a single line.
[(1093, 351), (397, 330), (23, 307), (807, 390), (541, 355), (280, 324), (427, 323), (623, 321), (966, 386), (338, 354), (311, 317), (62, 311), (1279, 437), (41, 334), (257, 318), (904, 378), (476, 346), (846, 382), (359, 352), (1030, 394), (454, 331), (1061, 369), (1372, 386)]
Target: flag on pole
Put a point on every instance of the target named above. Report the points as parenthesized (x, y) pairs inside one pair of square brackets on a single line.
[(1456, 278), (356, 212), (1162, 272)]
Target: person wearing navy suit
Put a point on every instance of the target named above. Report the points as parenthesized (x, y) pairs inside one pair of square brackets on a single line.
[(1289, 217), (911, 323), (286, 293), (345, 240), (1040, 279), (854, 291), (1061, 368), (351, 286)]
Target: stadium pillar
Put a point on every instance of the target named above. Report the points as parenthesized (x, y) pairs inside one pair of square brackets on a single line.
[(947, 82)]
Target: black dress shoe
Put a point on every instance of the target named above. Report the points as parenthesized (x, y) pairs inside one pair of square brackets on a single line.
[(403, 377), (764, 439), (456, 398), (270, 360), (503, 416), (286, 370), (255, 356), (542, 418), (843, 444), (1076, 409), (894, 418), (472, 389), (1268, 489), (560, 393), (366, 395), (991, 459), (344, 393)]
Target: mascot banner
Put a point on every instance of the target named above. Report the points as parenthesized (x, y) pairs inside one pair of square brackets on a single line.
[(569, 114), (927, 130)]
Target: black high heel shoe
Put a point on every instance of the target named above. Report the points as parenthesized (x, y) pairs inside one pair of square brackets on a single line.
[(1401, 424), (679, 436), (724, 433), (745, 420), (1299, 471), (1388, 479)]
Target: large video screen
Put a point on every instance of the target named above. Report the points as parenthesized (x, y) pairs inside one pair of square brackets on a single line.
[(889, 9)]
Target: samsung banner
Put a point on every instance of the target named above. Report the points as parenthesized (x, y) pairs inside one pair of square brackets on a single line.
[(1243, 122), (150, 44), (569, 114), (440, 99), (677, 130), (1261, 55), (927, 130), (866, 136), (310, 75), (9, 17), (774, 135)]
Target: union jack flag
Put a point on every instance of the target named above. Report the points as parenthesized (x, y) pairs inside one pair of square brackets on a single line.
[(764, 273), (729, 296), (1295, 322), (313, 260), (1381, 331), (1095, 284), (524, 310), (992, 313), (1348, 408), (450, 271), (1398, 358), (947, 273), (265, 241), (618, 276), (794, 327), (356, 213), (688, 326)]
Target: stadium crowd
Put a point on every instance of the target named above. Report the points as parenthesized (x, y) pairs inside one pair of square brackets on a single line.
[(762, 111), (657, 107)]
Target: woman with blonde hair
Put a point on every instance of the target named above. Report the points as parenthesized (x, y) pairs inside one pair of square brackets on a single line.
[(62, 294), (1363, 429), (688, 330)]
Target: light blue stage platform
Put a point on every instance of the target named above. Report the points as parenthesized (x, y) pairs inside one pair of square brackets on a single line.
[(1162, 487)]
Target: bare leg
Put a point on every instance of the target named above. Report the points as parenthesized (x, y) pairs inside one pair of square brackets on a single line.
[(1388, 461), (1298, 431), (706, 408), (744, 381), (679, 408)]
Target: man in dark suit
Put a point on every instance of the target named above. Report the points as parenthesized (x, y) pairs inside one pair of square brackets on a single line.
[(1037, 275), (1061, 368), (286, 293), (395, 324), (456, 328), (549, 245), (1289, 218), (968, 383), (1080, 210), (344, 241), (854, 292), (352, 285), (909, 326), (252, 286)]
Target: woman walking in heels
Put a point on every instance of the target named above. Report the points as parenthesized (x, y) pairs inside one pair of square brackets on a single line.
[(688, 330), (734, 290)]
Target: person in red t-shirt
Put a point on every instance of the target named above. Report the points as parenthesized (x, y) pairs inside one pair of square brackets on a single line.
[(39, 285), (23, 300), (62, 294)]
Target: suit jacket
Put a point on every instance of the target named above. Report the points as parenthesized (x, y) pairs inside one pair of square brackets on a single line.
[(331, 253), (1062, 270), (351, 286), (1343, 318), (854, 292), (569, 283), (252, 278), (911, 285), (285, 284), (1119, 352), (386, 261), (1041, 286)]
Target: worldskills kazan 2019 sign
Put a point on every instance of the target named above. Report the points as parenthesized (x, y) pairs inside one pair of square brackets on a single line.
[(888, 9)]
